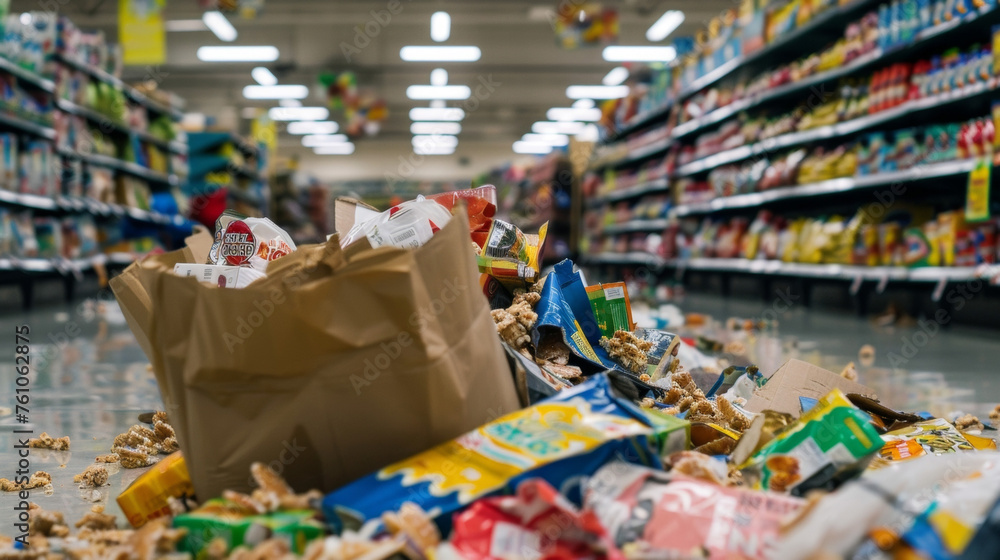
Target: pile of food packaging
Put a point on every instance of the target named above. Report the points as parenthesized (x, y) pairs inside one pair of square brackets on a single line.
[(437, 399)]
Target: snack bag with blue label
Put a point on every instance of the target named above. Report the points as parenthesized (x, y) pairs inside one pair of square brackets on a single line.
[(560, 440)]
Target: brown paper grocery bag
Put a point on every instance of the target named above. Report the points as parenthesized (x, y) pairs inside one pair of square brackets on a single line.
[(339, 362)]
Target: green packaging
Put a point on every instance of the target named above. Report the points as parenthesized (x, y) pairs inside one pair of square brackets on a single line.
[(829, 444), (219, 518), (611, 307)]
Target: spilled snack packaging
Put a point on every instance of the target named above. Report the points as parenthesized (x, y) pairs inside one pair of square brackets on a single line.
[(555, 312), (253, 242), (509, 255), (480, 203), (828, 443), (146, 498), (654, 514), (407, 226), (521, 526), (661, 359), (611, 307), (575, 293), (219, 518), (929, 437), (559, 439)]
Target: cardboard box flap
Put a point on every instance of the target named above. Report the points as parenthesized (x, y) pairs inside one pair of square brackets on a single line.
[(348, 211), (797, 379)]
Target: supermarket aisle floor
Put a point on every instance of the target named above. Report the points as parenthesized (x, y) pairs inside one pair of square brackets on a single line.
[(931, 368), (91, 380)]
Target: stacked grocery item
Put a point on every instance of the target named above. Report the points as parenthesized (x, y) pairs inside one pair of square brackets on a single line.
[(906, 235), (870, 155)]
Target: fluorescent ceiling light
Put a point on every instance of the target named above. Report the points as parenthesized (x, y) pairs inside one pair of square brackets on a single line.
[(290, 103), (440, 54), (439, 77), (596, 92), (548, 127), (238, 54), (276, 92), (436, 114), (317, 140), (583, 104), (435, 128), (438, 92), (434, 150), (522, 147), (440, 26), (619, 53), (344, 149), (573, 114), (218, 24), (616, 76), (263, 76), (298, 113), (313, 127), (434, 140), (181, 25), (589, 134), (668, 22), (550, 139)]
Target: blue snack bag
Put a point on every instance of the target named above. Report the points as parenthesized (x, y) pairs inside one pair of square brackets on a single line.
[(560, 439)]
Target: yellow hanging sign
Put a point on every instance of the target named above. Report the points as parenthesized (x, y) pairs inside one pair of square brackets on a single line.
[(265, 131), (977, 200), (141, 32)]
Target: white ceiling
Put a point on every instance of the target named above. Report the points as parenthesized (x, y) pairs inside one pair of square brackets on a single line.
[(519, 54)]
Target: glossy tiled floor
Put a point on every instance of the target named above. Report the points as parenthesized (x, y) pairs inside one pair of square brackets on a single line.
[(90, 379)]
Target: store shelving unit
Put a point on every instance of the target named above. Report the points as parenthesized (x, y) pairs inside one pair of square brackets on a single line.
[(815, 34), (215, 165), (26, 271), (844, 184), (840, 130)]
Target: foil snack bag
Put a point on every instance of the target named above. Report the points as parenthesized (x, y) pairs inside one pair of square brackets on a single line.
[(660, 515), (825, 446), (252, 242)]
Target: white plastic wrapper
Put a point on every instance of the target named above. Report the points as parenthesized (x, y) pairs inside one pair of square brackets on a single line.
[(407, 226), (248, 242), (221, 276)]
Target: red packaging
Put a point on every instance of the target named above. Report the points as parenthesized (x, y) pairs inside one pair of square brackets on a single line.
[(658, 515), (481, 204), (537, 522)]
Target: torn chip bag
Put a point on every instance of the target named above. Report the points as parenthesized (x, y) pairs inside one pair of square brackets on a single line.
[(336, 363)]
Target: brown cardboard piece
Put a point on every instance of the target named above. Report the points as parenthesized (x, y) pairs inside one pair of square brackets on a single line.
[(338, 363), (345, 213), (797, 379)]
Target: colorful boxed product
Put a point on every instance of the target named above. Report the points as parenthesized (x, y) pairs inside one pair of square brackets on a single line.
[(559, 439), (235, 525), (147, 497)]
